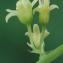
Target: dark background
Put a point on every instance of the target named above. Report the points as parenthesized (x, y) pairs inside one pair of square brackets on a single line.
[(13, 47)]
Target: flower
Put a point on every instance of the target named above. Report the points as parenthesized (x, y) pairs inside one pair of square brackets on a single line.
[(44, 10), (23, 11), (36, 35)]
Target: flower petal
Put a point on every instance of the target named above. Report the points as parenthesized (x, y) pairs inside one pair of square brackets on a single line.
[(12, 13), (23, 4), (8, 10), (34, 2), (32, 51), (29, 45), (35, 9), (53, 7), (36, 35), (36, 30), (46, 3), (42, 2), (27, 34), (39, 2), (46, 33)]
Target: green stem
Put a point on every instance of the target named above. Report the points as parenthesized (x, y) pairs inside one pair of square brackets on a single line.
[(42, 35), (30, 33), (52, 55), (41, 47)]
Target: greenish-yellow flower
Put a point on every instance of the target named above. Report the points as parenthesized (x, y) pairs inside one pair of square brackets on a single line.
[(44, 10), (36, 35), (23, 11)]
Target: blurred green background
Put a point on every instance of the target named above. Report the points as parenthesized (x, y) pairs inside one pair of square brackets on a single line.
[(13, 42)]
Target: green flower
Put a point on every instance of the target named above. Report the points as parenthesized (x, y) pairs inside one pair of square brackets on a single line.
[(44, 10), (23, 11), (36, 35)]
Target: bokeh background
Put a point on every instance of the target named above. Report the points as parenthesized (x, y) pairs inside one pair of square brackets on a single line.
[(13, 42)]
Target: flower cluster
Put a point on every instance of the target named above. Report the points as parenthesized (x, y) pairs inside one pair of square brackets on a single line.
[(24, 13)]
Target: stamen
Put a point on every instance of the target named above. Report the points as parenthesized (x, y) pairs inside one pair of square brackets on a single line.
[(16, 8)]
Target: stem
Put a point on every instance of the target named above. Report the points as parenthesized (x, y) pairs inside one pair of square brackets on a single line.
[(30, 33), (42, 36), (52, 55), (41, 46)]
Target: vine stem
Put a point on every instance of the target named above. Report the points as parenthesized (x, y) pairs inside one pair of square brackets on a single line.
[(52, 55)]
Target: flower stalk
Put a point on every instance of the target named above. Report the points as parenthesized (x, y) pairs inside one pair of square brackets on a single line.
[(41, 47), (30, 33), (42, 35)]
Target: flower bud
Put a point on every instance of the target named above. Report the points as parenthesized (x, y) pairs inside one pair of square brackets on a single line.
[(23, 11), (24, 8), (43, 16), (36, 35), (44, 10)]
